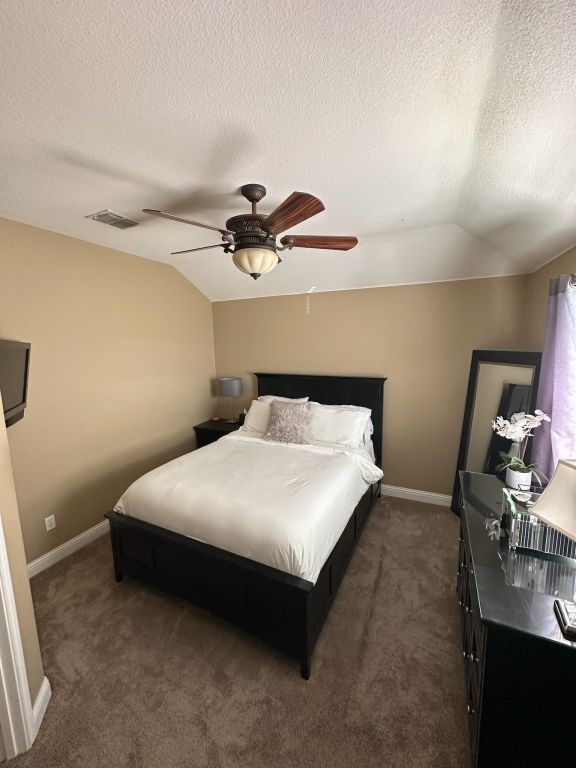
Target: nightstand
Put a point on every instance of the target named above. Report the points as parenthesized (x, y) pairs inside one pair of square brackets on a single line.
[(210, 431)]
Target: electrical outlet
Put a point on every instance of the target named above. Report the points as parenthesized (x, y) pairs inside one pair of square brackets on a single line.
[(50, 522)]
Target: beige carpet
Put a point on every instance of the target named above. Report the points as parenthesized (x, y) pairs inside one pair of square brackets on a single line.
[(142, 679)]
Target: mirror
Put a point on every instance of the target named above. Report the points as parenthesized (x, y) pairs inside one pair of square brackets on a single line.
[(500, 384)]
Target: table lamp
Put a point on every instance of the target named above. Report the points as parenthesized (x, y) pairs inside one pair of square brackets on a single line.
[(557, 505), (230, 386)]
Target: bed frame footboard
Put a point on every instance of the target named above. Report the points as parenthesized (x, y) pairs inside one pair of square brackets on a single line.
[(284, 610)]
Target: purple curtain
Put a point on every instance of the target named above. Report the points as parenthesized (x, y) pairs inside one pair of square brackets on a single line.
[(557, 390)]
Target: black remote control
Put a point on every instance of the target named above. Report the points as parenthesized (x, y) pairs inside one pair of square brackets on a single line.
[(566, 615)]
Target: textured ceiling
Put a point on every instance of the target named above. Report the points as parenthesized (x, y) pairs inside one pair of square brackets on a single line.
[(442, 133)]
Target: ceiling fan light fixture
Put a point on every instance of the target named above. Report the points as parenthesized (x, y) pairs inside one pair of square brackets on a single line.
[(255, 261), (253, 235)]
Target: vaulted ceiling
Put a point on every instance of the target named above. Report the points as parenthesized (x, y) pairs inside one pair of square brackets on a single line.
[(442, 133)]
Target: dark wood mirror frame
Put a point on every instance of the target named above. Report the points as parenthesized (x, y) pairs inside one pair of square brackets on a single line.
[(479, 356)]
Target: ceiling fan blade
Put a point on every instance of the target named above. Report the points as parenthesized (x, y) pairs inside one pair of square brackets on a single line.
[(203, 248), (171, 216), (294, 210), (332, 242)]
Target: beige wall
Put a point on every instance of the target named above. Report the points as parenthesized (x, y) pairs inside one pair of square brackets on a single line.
[(421, 337), (17, 561), (537, 295), (122, 357), (123, 354)]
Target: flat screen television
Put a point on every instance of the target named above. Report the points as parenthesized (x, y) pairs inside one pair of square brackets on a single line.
[(14, 364)]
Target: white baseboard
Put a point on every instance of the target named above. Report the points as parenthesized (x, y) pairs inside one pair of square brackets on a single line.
[(73, 545), (426, 497), (39, 708)]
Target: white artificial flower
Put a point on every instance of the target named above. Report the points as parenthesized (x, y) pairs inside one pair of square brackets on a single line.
[(543, 416), (520, 425)]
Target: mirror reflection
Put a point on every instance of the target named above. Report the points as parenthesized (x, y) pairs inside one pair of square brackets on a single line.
[(501, 390)]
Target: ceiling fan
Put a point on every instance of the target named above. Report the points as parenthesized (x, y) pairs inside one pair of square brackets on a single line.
[(251, 237)]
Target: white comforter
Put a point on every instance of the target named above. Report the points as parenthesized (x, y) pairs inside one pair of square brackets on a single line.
[(280, 504)]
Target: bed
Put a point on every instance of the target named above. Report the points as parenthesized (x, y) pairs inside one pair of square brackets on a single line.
[(286, 609)]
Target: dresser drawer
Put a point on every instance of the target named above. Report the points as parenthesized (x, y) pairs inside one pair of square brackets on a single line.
[(473, 636)]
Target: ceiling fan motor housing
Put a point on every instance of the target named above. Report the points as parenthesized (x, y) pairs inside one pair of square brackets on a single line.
[(246, 223)]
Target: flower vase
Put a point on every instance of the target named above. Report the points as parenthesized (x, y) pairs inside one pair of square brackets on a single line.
[(515, 449), (520, 481)]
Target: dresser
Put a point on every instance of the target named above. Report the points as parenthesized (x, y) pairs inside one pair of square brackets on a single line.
[(519, 669)]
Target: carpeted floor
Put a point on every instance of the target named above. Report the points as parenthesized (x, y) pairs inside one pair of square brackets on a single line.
[(144, 680)]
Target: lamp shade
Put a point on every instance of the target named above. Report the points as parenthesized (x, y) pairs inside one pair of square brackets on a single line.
[(255, 261), (557, 505), (230, 386)]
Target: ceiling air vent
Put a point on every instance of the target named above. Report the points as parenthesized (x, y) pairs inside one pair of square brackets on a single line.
[(114, 219)]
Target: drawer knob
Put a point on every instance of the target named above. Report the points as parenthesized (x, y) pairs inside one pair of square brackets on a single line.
[(468, 609), (470, 709)]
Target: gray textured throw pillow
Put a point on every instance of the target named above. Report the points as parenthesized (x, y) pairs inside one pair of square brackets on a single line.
[(289, 422)]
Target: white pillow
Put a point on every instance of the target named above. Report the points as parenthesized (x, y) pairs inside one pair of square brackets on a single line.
[(256, 421), (345, 426), (271, 398), (369, 448), (368, 432), (368, 429)]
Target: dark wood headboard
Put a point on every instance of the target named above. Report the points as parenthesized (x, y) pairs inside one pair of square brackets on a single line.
[(332, 390)]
